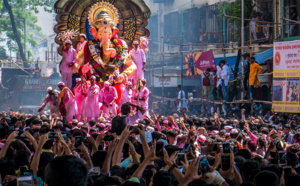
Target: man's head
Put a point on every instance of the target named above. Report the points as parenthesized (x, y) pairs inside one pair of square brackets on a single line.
[(93, 80), (78, 81), (286, 128), (66, 170), (125, 109), (135, 44), (247, 56), (37, 65), (214, 72), (68, 44), (252, 60), (207, 70), (179, 87), (171, 136), (50, 90), (266, 178), (129, 85), (144, 82), (61, 85), (265, 11), (222, 63), (82, 38), (106, 85)]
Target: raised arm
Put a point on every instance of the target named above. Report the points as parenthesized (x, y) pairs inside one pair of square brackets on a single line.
[(135, 157), (148, 159), (9, 140), (145, 145), (110, 151), (118, 152), (36, 158)]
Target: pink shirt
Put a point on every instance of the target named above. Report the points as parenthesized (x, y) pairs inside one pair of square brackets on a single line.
[(108, 96), (69, 56), (138, 57), (144, 94), (126, 96), (80, 46)]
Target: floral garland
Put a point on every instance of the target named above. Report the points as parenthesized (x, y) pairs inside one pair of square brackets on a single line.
[(119, 45)]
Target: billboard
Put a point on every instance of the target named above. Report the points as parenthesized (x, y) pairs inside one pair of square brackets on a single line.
[(199, 62), (286, 74)]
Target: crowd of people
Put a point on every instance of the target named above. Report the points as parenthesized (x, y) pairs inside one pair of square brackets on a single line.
[(159, 150)]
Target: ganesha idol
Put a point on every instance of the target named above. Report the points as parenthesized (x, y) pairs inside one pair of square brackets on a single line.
[(105, 52)]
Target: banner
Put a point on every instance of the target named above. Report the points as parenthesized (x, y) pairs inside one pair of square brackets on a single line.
[(199, 62), (286, 73)]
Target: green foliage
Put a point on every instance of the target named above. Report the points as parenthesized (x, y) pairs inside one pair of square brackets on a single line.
[(234, 9), (3, 54), (23, 10)]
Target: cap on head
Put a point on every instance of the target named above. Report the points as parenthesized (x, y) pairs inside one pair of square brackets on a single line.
[(60, 83), (227, 127), (93, 77), (135, 42), (49, 89), (129, 83), (234, 131), (201, 138), (106, 84), (78, 80), (83, 35), (69, 42)]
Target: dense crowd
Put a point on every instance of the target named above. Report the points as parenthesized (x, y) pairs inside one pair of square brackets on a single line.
[(161, 150)]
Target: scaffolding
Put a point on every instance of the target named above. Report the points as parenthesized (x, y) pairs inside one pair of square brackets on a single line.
[(224, 48)]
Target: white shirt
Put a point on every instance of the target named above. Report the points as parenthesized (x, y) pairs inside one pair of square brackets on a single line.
[(225, 74), (138, 57), (219, 73)]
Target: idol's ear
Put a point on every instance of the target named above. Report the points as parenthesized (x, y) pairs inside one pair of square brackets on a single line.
[(88, 30)]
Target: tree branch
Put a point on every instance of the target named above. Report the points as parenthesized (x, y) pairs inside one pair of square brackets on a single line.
[(14, 28)]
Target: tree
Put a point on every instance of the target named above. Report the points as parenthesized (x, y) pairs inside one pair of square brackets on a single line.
[(12, 16), (3, 54), (234, 9)]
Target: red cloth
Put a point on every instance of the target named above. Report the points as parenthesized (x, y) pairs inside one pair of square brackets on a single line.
[(205, 79), (215, 81), (118, 88)]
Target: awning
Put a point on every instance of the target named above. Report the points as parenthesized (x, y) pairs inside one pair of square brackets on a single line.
[(264, 56), (260, 58)]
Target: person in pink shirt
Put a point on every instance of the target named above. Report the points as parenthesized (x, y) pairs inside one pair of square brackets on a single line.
[(138, 57), (126, 94), (68, 99), (53, 100), (108, 97), (143, 96), (66, 66), (82, 42), (80, 96), (92, 102)]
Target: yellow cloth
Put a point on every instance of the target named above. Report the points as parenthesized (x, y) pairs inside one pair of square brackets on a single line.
[(62, 93), (47, 150), (257, 25), (18, 171), (130, 70), (255, 69)]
